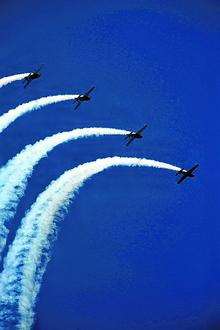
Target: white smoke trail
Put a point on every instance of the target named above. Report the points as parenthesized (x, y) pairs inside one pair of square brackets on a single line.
[(14, 175), (7, 118), (28, 255), (7, 80)]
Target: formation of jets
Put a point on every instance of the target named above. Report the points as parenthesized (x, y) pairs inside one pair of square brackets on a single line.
[(129, 137)]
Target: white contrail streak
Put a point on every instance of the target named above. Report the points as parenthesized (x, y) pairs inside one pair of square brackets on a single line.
[(28, 255), (7, 118), (8, 80), (14, 175)]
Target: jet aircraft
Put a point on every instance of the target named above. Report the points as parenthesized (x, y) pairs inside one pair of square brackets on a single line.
[(186, 173), (134, 135), (32, 76), (83, 98)]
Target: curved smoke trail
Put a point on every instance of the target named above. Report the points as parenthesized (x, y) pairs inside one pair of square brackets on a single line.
[(7, 118), (14, 175), (7, 80), (28, 255)]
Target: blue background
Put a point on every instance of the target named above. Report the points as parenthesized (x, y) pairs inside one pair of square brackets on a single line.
[(136, 251)]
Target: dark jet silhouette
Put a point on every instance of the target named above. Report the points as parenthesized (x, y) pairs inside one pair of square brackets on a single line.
[(134, 135), (83, 98), (186, 173), (32, 76)]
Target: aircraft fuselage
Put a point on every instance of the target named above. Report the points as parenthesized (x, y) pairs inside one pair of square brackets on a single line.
[(34, 75), (82, 98), (136, 135), (186, 174)]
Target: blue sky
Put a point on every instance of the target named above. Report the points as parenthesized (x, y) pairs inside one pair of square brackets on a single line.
[(135, 251)]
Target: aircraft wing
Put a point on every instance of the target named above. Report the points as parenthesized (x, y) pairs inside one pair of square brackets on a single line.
[(142, 129), (89, 91), (129, 141), (27, 83), (193, 168), (39, 69), (182, 179), (77, 106)]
